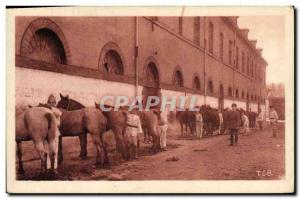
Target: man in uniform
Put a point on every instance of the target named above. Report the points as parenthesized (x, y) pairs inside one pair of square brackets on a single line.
[(199, 124), (51, 100), (273, 120), (234, 122), (260, 119), (162, 129), (133, 133)]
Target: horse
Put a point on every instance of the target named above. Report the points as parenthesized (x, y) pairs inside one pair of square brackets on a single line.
[(117, 123), (210, 119), (70, 105), (40, 125), (80, 123), (186, 119)]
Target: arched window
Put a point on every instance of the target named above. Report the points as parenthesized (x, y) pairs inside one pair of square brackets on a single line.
[(243, 95), (237, 93), (151, 73), (210, 86), (221, 91), (251, 97), (196, 83), (247, 96), (178, 79), (44, 40), (45, 45), (230, 91), (112, 63)]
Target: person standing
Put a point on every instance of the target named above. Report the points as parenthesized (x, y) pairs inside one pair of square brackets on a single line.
[(132, 134), (221, 121), (51, 100), (260, 119), (234, 122), (245, 121), (162, 130), (273, 120), (199, 124)]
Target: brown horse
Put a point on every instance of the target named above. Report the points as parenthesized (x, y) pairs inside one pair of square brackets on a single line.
[(40, 125), (80, 123), (117, 123), (70, 105), (186, 119)]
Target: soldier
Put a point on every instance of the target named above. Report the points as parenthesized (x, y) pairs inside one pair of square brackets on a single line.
[(245, 121), (221, 121), (51, 100), (133, 133), (234, 122), (273, 120), (260, 119), (162, 130), (199, 124)]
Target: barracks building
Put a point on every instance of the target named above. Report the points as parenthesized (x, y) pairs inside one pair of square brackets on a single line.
[(88, 57)]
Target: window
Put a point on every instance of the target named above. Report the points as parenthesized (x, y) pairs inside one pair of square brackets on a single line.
[(230, 52), (237, 93), (178, 79), (197, 30), (255, 72), (113, 63), (45, 45), (252, 68), (180, 25), (243, 95), (247, 65), (221, 45), (196, 84), (230, 91), (243, 62), (237, 57), (210, 86), (211, 37)]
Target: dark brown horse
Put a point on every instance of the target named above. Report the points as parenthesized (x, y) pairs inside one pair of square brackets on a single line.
[(186, 119), (78, 121)]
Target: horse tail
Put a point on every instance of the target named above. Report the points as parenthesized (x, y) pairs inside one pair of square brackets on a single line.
[(52, 126)]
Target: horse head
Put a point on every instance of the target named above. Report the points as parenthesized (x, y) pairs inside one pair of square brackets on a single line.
[(68, 104)]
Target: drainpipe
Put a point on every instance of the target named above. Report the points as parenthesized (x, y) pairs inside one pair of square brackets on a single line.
[(204, 61), (234, 65), (136, 50)]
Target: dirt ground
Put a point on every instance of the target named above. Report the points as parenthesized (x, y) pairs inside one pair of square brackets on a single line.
[(257, 156)]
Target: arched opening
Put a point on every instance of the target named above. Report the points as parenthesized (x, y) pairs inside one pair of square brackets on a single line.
[(113, 63), (221, 97), (229, 91), (45, 45), (237, 93), (178, 79), (196, 83), (247, 103), (151, 81), (243, 95), (210, 87)]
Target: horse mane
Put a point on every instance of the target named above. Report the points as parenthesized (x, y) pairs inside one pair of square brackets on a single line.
[(76, 102)]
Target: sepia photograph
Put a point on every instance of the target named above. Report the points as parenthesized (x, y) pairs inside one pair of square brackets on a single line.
[(180, 99)]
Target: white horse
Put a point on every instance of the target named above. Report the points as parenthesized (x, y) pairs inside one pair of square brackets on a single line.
[(41, 125)]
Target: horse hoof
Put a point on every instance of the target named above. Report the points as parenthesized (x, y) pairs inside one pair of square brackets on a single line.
[(83, 157)]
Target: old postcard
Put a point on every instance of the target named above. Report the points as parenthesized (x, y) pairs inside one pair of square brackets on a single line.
[(150, 100)]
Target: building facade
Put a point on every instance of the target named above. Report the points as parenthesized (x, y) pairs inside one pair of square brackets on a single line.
[(88, 57)]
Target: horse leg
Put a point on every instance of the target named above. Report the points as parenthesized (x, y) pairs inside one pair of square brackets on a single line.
[(39, 146), (119, 137), (60, 154), (19, 154), (181, 125), (53, 154), (83, 143), (106, 160), (98, 144)]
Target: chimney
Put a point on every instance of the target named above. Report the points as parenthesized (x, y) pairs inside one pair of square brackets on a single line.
[(253, 42), (245, 32)]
